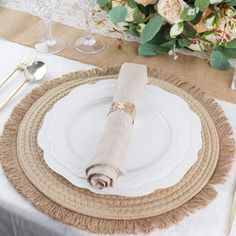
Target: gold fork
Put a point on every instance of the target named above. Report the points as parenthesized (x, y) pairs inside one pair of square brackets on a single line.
[(233, 85), (232, 214), (27, 60)]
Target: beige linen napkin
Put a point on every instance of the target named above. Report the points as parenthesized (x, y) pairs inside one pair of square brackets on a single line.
[(111, 153)]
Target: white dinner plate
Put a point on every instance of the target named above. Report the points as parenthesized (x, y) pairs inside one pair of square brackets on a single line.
[(165, 142)]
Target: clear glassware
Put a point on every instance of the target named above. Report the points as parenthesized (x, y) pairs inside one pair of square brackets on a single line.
[(45, 10), (88, 44)]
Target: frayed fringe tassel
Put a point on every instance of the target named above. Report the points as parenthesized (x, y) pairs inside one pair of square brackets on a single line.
[(13, 171)]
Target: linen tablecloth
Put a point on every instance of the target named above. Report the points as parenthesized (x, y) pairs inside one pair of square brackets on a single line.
[(19, 218)]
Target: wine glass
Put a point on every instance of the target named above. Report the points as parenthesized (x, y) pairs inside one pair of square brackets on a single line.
[(88, 44), (45, 10)]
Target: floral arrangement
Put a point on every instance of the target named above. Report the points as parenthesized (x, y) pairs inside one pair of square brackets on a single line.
[(164, 26)]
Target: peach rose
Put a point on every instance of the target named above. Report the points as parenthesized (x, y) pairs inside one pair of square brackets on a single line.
[(171, 10), (201, 26)]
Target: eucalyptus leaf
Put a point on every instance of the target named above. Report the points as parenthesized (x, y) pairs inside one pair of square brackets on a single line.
[(162, 50), (131, 3), (144, 9), (166, 31), (229, 52), (133, 29), (137, 15), (168, 44), (151, 29), (102, 2), (233, 2), (159, 38), (183, 42), (118, 14), (231, 44), (197, 18), (147, 49), (190, 31), (202, 4), (184, 16), (219, 61)]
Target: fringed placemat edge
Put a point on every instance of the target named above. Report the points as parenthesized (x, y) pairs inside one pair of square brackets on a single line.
[(16, 176)]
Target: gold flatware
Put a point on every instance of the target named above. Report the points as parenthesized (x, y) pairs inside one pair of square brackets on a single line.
[(27, 60), (233, 85), (32, 73), (232, 214)]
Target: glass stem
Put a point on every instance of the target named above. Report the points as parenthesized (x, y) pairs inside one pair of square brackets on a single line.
[(88, 18), (48, 28)]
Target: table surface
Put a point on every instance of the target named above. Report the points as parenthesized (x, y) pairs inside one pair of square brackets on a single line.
[(19, 217)]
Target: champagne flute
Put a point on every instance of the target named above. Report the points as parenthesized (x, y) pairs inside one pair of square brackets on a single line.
[(88, 44), (45, 10)]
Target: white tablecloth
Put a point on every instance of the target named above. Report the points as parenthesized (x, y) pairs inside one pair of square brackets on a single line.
[(19, 218)]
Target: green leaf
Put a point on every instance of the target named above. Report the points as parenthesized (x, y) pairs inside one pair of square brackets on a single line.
[(132, 4), (144, 10), (229, 52), (197, 18), (118, 14), (202, 4), (133, 29), (151, 29), (168, 44), (208, 32), (105, 5), (137, 15), (165, 30), (158, 39), (231, 44), (233, 2), (147, 49), (219, 61), (191, 32), (102, 2), (161, 50), (183, 43), (184, 16)]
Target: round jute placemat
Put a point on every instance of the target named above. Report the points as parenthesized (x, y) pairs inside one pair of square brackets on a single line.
[(23, 163)]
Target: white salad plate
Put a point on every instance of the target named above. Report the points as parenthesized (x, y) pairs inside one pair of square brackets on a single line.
[(165, 141)]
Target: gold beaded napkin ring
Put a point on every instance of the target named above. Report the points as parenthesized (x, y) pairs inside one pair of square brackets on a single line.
[(127, 107)]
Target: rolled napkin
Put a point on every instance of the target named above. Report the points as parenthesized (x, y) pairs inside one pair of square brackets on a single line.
[(111, 154)]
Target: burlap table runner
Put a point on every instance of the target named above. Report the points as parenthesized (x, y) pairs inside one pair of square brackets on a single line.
[(23, 163), (26, 29)]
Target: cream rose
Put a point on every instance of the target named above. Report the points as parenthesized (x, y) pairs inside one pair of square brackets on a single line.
[(146, 2), (176, 29), (171, 10)]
